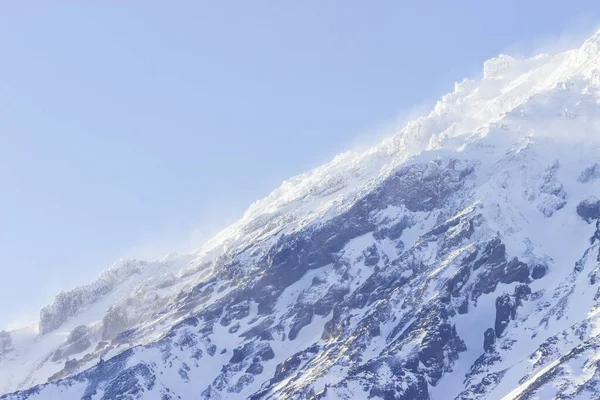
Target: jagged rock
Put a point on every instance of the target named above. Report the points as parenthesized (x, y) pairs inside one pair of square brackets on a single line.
[(589, 209), (554, 197), (505, 311), (522, 292), (433, 344), (114, 322), (78, 333), (290, 365), (255, 369), (69, 304), (371, 256), (262, 351), (394, 231), (325, 304), (590, 174), (515, 271), (493, 254), (489, 338), (260, 331), (235, 312), (539, 271), (77, 342), (302, 318)]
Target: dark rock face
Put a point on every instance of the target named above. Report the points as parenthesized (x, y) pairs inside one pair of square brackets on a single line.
[(434, 347), (325, 304), (371, 256), (240, 354), (296, 254), (255, 369), (455, 284), (394, 231), (131, 383), (539, 271), (522, 292), (493, 254), (515, 271), (498, 269), (260, 331), (290, 365), (261, 350), (302, 319), (589, 209), (235, 312), (505, 312), (489, 338)]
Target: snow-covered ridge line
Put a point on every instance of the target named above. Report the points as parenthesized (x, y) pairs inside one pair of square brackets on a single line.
[(432, 264), (70, 303), (460, 115), (328, 189)]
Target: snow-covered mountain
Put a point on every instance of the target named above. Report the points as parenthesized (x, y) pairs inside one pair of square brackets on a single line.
[(459, 259)]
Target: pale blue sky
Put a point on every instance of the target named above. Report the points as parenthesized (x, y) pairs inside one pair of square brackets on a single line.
[(134, 127)]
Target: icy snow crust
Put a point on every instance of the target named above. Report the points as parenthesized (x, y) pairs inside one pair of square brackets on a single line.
[(399, 307)]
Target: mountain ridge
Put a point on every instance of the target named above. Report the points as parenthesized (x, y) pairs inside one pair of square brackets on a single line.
[(430, 259)]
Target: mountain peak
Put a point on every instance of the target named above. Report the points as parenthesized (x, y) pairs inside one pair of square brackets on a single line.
[(459, 259), (591, 46)]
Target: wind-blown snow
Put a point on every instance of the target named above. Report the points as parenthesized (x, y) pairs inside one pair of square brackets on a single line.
[(524, 141)]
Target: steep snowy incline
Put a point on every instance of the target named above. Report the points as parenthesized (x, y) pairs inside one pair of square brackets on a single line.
[(456, 119), (458, 259)]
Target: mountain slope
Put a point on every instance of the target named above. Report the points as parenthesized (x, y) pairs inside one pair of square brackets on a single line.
[(458, 259)]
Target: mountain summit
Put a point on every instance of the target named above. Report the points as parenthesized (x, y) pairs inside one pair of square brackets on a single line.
[(458, 259)]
